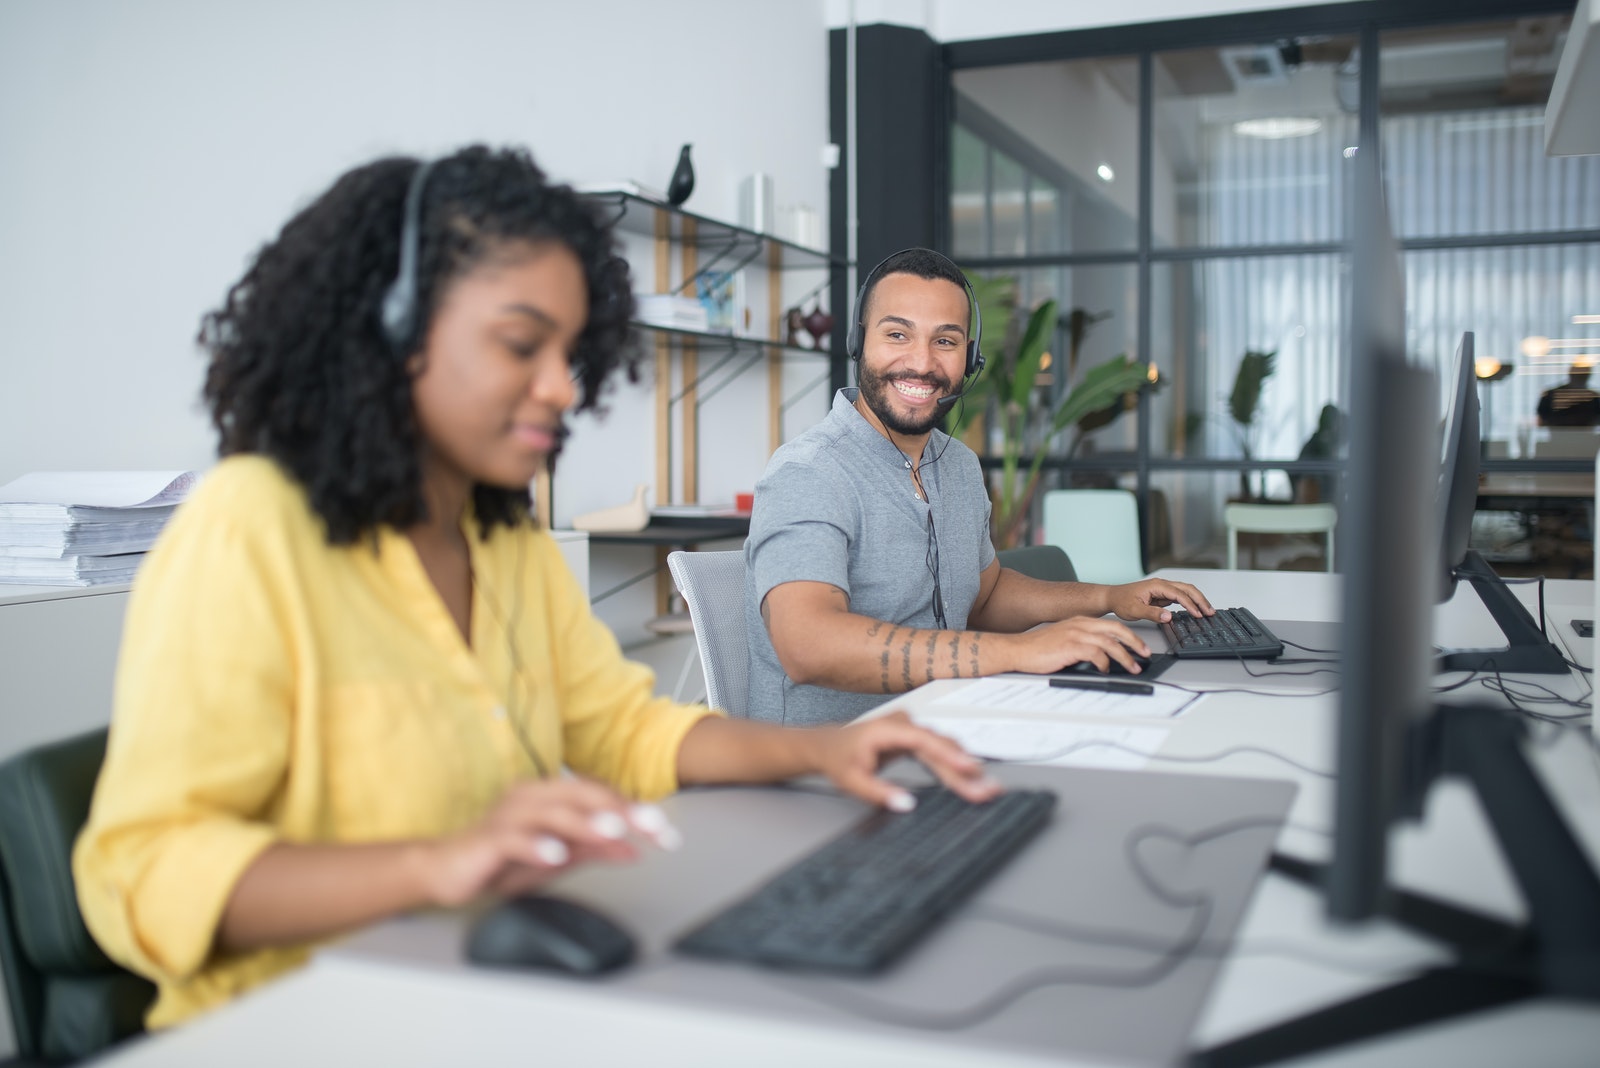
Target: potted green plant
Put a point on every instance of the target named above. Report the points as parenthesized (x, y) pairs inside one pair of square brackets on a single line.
[(1244, 403), (1016, 344)]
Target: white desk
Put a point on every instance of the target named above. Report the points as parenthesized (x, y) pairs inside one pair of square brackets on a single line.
[(345, 1008)]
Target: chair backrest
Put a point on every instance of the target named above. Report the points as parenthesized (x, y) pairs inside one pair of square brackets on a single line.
[(68, 999), (1040, 561), (1099, 531), (712, 585), (1568, 442), (1278, 519)]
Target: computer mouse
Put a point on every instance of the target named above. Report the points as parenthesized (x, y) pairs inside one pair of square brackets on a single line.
[(536, 931), (1086, 667)]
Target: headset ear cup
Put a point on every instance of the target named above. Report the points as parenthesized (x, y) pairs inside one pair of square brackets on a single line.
[(395, 312), (853, 340), (974, 358)]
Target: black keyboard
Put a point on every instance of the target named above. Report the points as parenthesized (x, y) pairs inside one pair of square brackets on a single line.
[(858, 901), (1232, 632)]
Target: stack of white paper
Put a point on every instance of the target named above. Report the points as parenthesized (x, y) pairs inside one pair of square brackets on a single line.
[(84, 528)]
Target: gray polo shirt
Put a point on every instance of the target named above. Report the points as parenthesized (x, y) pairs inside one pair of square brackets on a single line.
[(837, 505)]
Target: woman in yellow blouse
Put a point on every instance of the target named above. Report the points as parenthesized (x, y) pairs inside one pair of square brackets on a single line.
[(352, 667)]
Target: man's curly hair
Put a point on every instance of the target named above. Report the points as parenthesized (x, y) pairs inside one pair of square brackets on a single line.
[(301, 370)]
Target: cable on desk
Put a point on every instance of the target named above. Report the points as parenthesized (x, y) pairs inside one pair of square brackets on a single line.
[(1072, 932), (1068, 750), (1307, 648), (1243, 689), (1170, 955)]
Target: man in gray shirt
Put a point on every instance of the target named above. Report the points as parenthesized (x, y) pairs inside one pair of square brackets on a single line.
[(869, 570)]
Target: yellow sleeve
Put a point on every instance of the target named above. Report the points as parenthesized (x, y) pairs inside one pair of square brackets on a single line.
[(198, 747), (613, 728)]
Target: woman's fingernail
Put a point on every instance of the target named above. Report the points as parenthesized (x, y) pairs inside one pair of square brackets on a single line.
[(648, 818), (901, 802), (551, 851), (608, 825)]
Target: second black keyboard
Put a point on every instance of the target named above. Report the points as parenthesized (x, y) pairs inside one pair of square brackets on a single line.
[(859, 900), (1231, 633)]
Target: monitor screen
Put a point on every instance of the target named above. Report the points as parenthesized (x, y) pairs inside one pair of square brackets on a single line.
[(1390, 573), (1458, 473)]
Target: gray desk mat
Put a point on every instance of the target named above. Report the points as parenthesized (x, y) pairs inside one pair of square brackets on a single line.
[(996, 974)]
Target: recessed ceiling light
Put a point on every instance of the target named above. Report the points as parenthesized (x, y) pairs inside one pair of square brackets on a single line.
[(1350, 153), (1105, 172), (1276, 129)]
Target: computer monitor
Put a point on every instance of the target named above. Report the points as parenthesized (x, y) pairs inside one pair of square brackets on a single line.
[(1458, 470), (1393, 741), (1527, 649), (1389, 572)]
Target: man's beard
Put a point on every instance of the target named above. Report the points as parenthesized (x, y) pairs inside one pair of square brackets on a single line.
[(875, 390)]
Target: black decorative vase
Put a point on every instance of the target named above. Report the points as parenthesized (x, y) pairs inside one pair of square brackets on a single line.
[(682, 183)]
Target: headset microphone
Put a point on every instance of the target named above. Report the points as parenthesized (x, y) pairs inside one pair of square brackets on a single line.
[(967, 384)]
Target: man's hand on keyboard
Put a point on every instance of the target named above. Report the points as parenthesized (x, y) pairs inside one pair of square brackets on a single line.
[(851, 757), (1148, 599)]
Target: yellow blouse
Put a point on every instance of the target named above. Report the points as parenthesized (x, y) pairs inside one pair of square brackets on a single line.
[(272, 687)]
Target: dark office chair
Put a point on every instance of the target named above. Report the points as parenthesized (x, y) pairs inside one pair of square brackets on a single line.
[(1040, 562), (68, 1000)]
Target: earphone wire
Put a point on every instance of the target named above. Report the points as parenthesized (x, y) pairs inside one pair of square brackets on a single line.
[(517, 673)]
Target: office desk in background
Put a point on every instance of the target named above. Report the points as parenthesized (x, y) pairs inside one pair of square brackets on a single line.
[(1539, 491), (386, 995)]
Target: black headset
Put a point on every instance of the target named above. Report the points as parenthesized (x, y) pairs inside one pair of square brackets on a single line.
[(855, 339), (398, 313)]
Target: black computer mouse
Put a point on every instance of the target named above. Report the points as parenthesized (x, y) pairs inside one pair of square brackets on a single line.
[(536, 931), (1086, 667), (1149, 667)]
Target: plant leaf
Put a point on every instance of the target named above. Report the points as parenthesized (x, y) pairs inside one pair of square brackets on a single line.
[(1254, 370), (1035, 339), (1103, 385)]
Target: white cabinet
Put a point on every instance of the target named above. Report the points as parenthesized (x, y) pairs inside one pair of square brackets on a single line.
[(58, 654)]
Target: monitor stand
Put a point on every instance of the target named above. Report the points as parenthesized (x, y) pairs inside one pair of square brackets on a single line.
[(1527, 649), (1556, 953)]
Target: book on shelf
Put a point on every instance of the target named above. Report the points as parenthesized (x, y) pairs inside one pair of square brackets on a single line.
[(670, 310), (84, 528)]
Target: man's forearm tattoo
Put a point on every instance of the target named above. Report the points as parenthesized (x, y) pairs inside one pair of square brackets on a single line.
[(884, 660), (933, 645), (905, 665), (973, 648), (955, 655)]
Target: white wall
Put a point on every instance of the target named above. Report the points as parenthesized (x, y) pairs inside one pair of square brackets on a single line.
[(146, 149)]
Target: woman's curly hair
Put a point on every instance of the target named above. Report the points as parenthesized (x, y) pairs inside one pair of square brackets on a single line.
[(301, 369)]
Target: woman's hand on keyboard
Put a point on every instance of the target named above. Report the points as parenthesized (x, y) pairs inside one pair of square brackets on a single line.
[(1149, 598), (851, 757)]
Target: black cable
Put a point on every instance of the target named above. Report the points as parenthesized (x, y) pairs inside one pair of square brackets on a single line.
[(1307, 648), (1069, 931), (855, 1003), (1086, 743)]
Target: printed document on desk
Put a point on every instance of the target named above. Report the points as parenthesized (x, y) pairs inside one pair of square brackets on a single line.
[(1035, 695), (1045, 741)]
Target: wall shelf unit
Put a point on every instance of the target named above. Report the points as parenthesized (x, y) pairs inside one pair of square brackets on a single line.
[(702, 245)]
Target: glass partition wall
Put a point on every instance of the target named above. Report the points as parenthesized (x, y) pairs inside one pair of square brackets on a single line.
[(1186, 206)]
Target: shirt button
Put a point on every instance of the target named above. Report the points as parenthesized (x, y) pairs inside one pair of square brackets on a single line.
[(499, 712), (908, 465)]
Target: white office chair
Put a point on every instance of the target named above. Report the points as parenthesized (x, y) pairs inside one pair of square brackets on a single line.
[(1099, 531), (1278, 519), (712, 585)]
